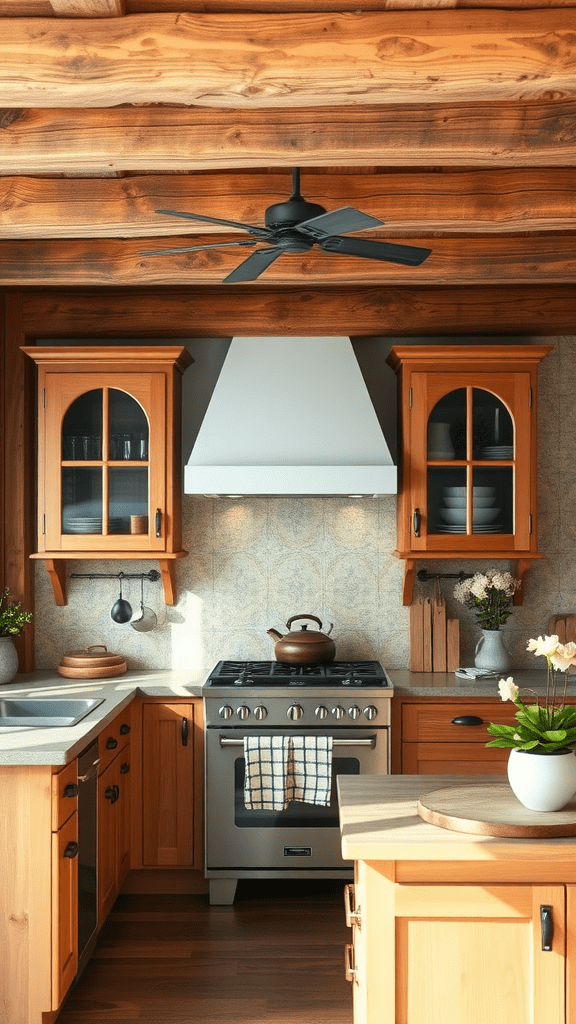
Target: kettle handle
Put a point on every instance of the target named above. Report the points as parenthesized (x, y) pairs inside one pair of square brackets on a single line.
[(294, 617)]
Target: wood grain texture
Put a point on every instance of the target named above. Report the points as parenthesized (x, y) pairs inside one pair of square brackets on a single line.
[(470, 261), (45, 8), (493, 810), (474, 202), (537, 134), (290, 60)]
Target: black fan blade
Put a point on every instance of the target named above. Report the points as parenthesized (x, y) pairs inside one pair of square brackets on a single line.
[(410, 255), (194, 248), (255, 265), (346, 219), (250, 228)]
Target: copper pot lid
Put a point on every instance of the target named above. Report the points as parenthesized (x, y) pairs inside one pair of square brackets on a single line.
[(95, 656)]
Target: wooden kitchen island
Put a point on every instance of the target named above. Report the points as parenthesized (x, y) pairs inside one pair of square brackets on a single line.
[(446, 925)]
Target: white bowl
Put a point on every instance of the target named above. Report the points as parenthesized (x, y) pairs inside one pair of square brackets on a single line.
[(461, 502), (460, 492), (480, 516)]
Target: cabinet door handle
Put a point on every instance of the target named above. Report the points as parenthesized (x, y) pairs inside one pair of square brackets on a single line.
[(158, 521), (109, 793), (547, 926), (71, 789), (71, 850), (467, 720), (350, 971), (416, 522), (184, 732), (124, 768), (111, 743), (124, 729)]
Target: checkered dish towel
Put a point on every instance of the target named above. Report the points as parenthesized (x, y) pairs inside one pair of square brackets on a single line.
[(279, 769)]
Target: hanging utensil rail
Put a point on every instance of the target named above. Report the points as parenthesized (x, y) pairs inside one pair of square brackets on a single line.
[(423, 575), (153, 575)]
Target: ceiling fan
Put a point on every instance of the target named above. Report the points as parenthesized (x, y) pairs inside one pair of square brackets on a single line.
[(294, 227)]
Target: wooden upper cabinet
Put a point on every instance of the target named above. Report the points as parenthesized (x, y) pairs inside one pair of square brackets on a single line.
[(109, 473), (468, 454)]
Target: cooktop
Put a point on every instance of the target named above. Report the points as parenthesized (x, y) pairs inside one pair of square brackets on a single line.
[(266, 673)]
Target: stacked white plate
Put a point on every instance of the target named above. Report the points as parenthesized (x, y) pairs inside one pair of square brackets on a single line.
[(91, 524), (483, 511), (502, 451)]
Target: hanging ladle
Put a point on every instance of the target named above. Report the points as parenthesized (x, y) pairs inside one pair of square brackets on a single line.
[(145, 619), (121, 609)]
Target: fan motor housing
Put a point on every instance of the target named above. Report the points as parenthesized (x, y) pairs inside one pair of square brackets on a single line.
[(290, 213)]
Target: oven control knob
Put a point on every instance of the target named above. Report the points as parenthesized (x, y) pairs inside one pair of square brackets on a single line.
[(226, 711), (354, 711), (338, 711), (260, 712), (243, 712), (295, 712), (370, 712), (321, 712)]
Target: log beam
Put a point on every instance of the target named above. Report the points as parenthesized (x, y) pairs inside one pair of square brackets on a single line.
[(88, 8), (104, 141), (472, 202), (501, 311), (469, 261), (290, 60)]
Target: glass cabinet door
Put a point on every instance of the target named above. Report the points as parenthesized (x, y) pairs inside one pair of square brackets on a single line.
[(470, 465), (105, 440)]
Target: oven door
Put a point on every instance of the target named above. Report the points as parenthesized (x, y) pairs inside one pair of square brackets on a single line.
[(302, 837)]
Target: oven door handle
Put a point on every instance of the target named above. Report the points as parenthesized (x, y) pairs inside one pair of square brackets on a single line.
[(370, 742)]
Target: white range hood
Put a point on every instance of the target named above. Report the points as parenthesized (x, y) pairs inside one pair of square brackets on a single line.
[(290, 415)]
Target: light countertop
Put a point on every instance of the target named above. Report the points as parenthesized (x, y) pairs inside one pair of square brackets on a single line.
[(447, 684), (56, 746), (379, 821)]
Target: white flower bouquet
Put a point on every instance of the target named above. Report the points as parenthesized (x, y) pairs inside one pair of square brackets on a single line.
[(489, 594), (541, 728)]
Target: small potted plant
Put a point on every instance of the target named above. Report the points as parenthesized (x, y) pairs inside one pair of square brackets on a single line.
[(542, 763), (12, 622)]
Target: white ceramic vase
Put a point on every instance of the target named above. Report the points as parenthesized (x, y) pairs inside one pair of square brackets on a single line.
[(542, 782), (8, 659), (491, 653)]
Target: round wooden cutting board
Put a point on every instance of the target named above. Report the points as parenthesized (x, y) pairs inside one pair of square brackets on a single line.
[(493, 810)]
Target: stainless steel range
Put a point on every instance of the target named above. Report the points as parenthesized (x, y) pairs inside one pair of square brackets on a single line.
[(348, 701)]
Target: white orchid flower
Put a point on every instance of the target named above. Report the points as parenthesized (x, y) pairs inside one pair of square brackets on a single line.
[(564, 656), (508, 689), (544, 647)]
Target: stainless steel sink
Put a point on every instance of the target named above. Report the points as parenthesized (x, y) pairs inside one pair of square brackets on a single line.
[(46, 712)]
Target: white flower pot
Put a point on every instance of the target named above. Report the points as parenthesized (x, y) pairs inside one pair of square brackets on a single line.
[(8, 659), (542, 782)]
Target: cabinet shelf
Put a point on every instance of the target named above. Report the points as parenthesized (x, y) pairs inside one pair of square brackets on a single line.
[(55, 564)]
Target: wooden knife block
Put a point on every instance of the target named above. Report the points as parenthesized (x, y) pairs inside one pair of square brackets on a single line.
[(434, 639)]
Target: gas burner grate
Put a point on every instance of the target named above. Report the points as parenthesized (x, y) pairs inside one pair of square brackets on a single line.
[(334, 673)]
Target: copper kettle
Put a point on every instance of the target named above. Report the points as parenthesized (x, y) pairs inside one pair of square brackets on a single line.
[(300, 647)]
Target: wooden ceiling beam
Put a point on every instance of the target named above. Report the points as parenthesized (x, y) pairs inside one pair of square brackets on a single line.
[(44, 8), (468, 261), (290, 60), (88, 8), (221, 311), (161, 138), (472, 202)]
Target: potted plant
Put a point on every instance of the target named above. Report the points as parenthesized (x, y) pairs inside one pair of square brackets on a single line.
[(490, 595), (542, 764), (12, 622)]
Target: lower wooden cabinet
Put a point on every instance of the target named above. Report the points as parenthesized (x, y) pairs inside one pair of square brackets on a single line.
[(471, 952), (432, 737), (113, 830), (65, 912), (170, 788)]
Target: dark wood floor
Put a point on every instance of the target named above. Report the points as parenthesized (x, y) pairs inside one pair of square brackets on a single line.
[(275, 957)]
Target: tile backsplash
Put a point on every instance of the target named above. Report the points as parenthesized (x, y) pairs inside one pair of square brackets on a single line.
[(255, 562)]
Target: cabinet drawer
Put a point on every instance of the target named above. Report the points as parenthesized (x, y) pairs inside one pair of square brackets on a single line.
[(453, 759), (454, 723), (64, 794), (114, 737)]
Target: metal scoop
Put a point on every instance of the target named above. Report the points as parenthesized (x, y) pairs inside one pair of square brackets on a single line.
[(144, 619)]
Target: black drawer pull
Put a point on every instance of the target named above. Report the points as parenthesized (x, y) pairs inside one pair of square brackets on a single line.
[(111, 743), (416, 522), (71, 789), (547, 926), (124, 729), (124, 768), (184, 732), (71, 850), (467, 720), (158, 522)]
